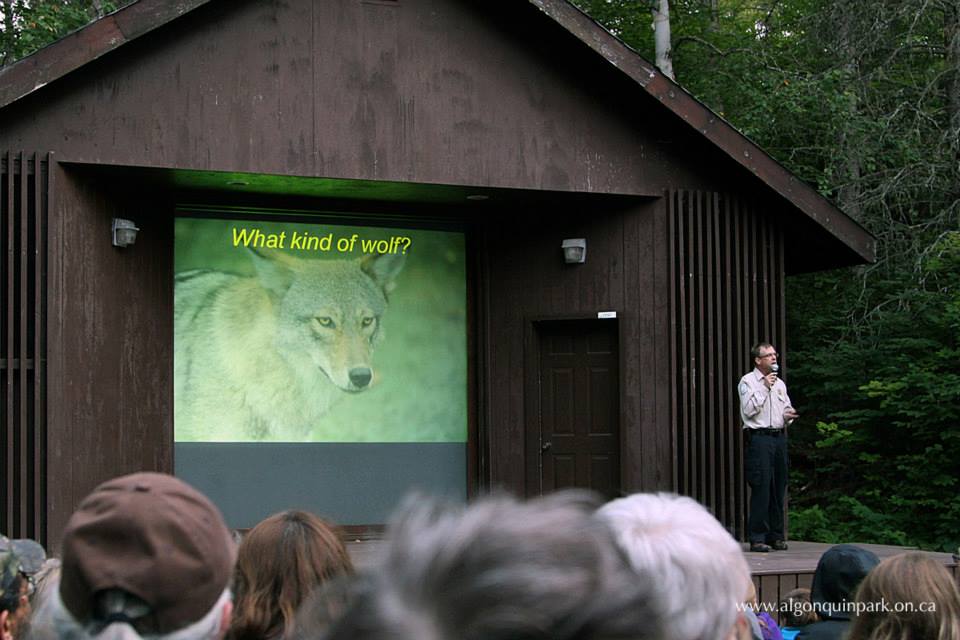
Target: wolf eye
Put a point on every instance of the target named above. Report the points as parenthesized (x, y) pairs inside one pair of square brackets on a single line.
[(367, 321), (325, 321)]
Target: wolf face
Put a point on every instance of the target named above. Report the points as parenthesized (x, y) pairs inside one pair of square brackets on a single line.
[(270, 354), (329, 313)]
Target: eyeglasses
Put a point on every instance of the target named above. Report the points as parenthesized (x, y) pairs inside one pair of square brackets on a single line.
[(769, 355)]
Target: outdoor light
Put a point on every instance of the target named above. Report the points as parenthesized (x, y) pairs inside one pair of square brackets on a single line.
[(575, 250), (124, 232)]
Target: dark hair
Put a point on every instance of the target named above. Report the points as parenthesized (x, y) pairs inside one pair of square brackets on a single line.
[(12, 594), (501, 569), (279, 563), (796, 608), (755, 349)]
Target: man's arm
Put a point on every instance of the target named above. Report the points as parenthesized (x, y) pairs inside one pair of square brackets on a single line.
[(751, 399)]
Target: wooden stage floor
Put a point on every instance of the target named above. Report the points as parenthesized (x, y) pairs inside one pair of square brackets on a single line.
[(774, 573), (802, 557)]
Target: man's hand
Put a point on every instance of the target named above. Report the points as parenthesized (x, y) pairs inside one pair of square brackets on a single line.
[(789, 415), (770, 379)]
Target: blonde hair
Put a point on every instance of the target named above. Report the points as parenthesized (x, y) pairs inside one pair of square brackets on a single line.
[(920, 596)]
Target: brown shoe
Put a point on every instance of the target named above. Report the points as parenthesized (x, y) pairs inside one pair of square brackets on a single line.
[(759, 547), (779, 545)]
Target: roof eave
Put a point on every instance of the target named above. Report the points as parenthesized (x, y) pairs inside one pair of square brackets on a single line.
[(86, 44)]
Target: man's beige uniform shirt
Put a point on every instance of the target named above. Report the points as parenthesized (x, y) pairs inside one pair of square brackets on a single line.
[(762, 408)]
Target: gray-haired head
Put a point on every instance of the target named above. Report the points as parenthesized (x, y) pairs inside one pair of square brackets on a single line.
[(501, 569), (695, 563)]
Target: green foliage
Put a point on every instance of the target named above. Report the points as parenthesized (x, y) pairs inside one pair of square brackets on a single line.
[(892, 392), (860, 99), (27, 25)]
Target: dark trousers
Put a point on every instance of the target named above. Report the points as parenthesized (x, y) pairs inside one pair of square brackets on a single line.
[(766, 470)]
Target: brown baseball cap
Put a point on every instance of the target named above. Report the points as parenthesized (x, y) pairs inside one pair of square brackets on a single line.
[(153, 536)]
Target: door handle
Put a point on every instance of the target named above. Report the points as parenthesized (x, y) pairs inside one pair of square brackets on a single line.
[(545, 447)]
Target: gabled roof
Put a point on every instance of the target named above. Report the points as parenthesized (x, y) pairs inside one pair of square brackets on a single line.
[(143, 16)]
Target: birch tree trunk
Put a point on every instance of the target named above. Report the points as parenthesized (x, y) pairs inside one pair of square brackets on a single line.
[(661, 37)]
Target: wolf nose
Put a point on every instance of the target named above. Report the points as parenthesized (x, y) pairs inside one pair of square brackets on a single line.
[(360, 376)]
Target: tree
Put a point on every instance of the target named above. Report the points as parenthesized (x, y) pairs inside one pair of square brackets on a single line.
[(27, 25), (661, 37)]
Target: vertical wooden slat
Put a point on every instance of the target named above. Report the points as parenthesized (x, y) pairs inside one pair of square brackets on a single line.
[(717, 429), (709, 360), (42, 200), (673, 319), (743, 339), (729, 368), (10, 452), (684, 313), (698, 344), (23, 453)]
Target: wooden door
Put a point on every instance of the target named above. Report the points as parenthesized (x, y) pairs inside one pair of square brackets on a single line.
[(574, 435)]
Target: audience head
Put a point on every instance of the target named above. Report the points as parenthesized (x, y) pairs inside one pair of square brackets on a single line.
[(144, 555), (19, 561), (838, 573), (47, 578), (693, 561), (281, 561), (921, 594), (544, 569), (796, 609)]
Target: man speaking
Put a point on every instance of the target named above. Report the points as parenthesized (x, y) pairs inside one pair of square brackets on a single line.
[(765, 410)]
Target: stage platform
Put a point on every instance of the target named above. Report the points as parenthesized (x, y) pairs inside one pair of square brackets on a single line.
[(774, 573), (778, 572)]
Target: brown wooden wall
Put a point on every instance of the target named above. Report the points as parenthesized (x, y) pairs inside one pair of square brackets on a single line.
[(727, 293), (109, 341), (525, 279), (24, 198), (429, 91)]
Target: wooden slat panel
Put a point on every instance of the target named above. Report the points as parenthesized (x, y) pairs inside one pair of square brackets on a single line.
[(22, 427), (727, 266)]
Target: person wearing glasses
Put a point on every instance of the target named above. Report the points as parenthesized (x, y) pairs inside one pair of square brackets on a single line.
[(19, 560), (765, 411)]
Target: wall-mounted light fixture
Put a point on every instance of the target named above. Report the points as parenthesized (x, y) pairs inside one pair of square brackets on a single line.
[(575, 250), (124, 232)]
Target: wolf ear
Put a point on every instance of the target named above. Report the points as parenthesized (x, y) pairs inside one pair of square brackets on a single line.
[(275, 271), (383, 269)]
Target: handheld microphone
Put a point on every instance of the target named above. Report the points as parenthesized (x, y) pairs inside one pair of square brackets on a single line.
[(775, 368)]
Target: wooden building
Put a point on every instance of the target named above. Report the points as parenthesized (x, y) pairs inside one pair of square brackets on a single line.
[(518, 124)]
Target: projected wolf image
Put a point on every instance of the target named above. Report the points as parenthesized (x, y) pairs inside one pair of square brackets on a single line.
[(284, 348)]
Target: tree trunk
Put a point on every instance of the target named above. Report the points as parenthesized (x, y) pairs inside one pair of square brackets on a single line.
[(951, 33), (661, 37), (848, 196), (7, 37)]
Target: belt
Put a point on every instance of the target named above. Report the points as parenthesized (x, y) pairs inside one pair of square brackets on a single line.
[(765, 432)]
